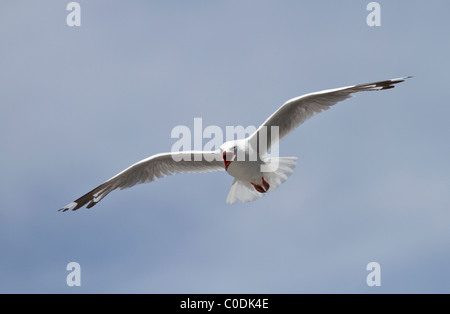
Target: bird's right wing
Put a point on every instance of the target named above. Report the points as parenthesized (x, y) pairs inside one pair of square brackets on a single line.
[(150, 169)]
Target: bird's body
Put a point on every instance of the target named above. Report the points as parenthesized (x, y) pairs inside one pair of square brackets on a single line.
[(245, 159), (246, 171)]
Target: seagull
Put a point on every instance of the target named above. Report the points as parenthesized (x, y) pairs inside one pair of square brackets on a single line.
[(246, 159)]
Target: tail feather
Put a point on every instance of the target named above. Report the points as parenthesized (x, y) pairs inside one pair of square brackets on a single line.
[(282, 168), (242, 191)]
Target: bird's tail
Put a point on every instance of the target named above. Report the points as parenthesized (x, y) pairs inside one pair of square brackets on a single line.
[(279, 169), (282, 167)]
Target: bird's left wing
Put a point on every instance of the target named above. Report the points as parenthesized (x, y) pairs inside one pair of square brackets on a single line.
[(297, 110), (151, 169)]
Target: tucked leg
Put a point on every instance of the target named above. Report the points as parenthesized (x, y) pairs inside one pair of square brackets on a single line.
[(265, 184), (261, 189)]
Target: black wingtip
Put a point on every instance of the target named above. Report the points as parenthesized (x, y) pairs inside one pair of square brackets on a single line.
[(91, 204), (86, 198), (401, 79), (67, 207), (382, 85)]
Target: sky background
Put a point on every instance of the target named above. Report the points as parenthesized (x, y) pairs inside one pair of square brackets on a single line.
[(80, 104)]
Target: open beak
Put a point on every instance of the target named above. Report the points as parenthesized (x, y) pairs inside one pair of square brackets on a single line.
[(228, 157)]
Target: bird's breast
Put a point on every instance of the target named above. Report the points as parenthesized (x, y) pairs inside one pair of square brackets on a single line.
[(245, 170)]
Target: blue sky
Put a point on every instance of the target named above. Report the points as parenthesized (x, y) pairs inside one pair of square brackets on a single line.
[(80, 104)]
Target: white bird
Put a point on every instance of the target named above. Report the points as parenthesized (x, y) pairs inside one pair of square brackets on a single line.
[(244, 159)]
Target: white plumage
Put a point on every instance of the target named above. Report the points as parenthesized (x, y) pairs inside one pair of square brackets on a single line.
[(251, 182)]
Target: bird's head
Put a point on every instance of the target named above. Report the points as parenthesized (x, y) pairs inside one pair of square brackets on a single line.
[(229, 152)]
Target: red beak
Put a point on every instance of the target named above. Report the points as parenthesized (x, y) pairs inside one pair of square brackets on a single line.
[(227, 159)]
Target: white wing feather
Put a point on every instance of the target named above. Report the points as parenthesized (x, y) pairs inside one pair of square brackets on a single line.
[(288, 117), (151, 169), (297, 110)]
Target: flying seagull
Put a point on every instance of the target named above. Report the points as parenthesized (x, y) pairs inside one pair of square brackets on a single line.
[(244, 159)]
